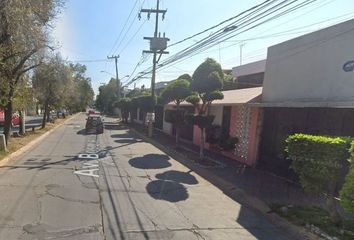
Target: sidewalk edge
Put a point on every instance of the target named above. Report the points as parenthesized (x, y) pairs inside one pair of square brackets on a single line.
[(25, 148)]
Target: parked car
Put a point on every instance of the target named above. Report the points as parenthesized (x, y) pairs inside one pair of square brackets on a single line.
[(15, 119), (94, 124), (92, 111)]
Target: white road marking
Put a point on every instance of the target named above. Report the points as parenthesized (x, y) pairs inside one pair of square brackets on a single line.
[(88, 156), (87, 172), (90, 165)]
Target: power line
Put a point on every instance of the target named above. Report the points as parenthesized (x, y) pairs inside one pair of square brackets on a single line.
[(129, 41), (90, 60), (126, 21), (249, 22), (207, 44), (214, 40), (219, 24)]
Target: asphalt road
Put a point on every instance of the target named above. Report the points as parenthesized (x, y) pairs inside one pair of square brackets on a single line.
[(115, 186)]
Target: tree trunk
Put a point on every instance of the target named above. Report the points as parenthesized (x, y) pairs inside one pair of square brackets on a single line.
[(45, 114), (22, 126), (37, 109), (48, 115), (8, 121), (177, 135), (331, 204), (201, 150)]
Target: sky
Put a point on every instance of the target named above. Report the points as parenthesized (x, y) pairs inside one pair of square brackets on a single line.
[(87, 31)]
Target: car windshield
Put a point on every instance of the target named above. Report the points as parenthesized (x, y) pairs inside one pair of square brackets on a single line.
[(176, 119)]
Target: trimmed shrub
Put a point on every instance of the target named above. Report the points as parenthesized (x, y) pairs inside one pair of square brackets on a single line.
[(229, 143), (175, 117), (202, 121), (319, 161), (347, 192), (213, 134)]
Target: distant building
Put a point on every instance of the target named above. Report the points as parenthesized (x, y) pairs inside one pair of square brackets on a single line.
[(161, 85), (249, 75)]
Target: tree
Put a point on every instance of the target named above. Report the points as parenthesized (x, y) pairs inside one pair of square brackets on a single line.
[(176, 91), (229, 82), (319, 160), (23, 98), (207, 82), (186, 76), (124, 105), (80, 93), (107, 96), (50, 81), (24, 27)]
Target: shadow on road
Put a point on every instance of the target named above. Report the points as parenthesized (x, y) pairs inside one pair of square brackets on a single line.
[(177, 176), (110, 126), (259, 226), (127, 141), (167, 190), (121, 135), (150, 161)]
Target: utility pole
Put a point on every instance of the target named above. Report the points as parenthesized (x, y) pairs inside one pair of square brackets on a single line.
[(157, 45), (117, 78), (241, 46)]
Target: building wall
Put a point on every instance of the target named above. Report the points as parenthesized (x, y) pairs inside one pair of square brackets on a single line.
[(279, 123), (310, 67), (216, 110), (167, 127), (138, 120), (243, 125), (250, 81)]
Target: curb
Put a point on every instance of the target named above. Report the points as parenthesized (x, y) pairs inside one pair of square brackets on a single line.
[(25, 148), (235, 193)]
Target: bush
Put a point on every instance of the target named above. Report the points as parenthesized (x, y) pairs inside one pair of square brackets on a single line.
[(202, 121), (175, 117), (213, 134), (317, 159), (347, 192), (229, 143)]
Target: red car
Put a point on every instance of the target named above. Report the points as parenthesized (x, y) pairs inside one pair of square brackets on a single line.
[(15, 119)]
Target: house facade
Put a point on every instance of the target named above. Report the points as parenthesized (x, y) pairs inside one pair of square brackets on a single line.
[(235, 118), (308, 88)]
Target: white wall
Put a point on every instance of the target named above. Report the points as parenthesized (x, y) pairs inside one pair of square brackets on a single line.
[(137, 117), (217, 111), (310, 67), (167, 127)]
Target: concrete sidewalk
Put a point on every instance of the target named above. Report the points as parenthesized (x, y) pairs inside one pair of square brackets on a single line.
[(244, 185), (255, 182)]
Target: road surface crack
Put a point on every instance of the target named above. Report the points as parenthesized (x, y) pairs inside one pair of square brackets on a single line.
[(42, 231), (71, 199)]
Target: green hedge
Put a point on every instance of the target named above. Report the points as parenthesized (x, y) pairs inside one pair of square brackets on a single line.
[(175, 117), (347, 192), (202, 121), (318, 160)]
